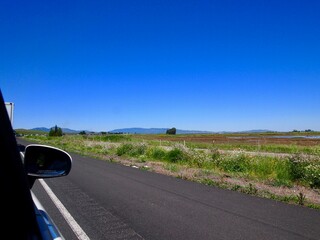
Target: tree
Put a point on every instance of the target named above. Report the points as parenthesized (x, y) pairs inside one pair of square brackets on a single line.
[(171, 131), (55, 132), (82, 133)]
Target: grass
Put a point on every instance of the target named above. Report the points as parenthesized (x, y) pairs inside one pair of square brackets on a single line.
[(287, 172), (171, 167), (278, 171)]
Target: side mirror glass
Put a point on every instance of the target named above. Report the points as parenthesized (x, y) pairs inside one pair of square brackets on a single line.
[(43, 161)]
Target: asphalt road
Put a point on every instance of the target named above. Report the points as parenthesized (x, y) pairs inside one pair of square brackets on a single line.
[(111, 201)]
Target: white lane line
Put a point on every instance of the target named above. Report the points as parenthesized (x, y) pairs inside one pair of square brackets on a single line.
[(67, 216)]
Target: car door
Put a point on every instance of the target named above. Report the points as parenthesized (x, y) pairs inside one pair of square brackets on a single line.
[(22, 215)]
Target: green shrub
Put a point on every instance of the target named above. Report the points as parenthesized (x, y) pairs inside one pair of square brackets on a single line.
[(200, 159), (176, 155), (312, 174), (237, 163), (133, 150), (304, 169), (215, 154), (297, 164), (156, 153), (137, 150), (124, 149)]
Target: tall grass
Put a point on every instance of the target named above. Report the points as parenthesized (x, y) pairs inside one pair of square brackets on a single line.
[(133, 150), (298, 168), (278, 171)]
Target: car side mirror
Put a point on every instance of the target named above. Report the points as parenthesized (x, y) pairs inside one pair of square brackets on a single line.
[(43, 161)]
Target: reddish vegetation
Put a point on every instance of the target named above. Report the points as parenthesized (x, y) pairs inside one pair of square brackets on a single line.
[(233, 139)]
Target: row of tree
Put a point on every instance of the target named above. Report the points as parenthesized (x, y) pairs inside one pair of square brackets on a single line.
[(307, 130)]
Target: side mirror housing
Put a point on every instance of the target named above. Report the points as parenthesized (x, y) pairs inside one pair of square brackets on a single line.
[(43, 161)]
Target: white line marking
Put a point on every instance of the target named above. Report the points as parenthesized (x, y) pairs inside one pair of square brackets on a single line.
[(67, 216)]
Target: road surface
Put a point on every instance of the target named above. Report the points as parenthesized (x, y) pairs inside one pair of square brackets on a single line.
[(111, 201)]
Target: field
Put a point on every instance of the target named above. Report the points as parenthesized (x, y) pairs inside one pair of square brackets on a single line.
[(243, 139), (283, 167), (270, 142)]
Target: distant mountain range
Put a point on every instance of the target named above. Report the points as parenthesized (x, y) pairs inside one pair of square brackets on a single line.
[(65, 130), (150, 131)]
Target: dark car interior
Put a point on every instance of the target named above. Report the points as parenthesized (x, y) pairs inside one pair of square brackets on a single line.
[(17, 213)]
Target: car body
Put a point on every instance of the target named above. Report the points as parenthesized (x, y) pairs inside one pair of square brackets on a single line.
[(47, 227), (22, 215)]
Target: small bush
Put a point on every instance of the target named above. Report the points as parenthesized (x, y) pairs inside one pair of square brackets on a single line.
[(124, 149), (297, 164), (156, 153), (215, 154), (199, 158), (305, 170), (301, 198), (312, 174), (133, 150), (238, 163), (176, 155), (137, 150)]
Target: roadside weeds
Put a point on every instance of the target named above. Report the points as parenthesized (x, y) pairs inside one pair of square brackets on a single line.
[(297, 195)]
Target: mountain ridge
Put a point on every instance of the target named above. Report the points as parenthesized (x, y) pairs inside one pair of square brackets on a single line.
[(139, 130), (65, 130)]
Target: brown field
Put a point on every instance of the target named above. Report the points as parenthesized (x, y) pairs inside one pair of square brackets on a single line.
[(248, 139)]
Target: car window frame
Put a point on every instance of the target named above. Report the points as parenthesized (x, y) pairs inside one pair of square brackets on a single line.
[(18, 210)]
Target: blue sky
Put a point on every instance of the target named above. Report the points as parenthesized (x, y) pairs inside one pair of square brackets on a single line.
[(197, 65)]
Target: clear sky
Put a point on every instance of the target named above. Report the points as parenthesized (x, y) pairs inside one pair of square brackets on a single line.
[(190, 64)]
